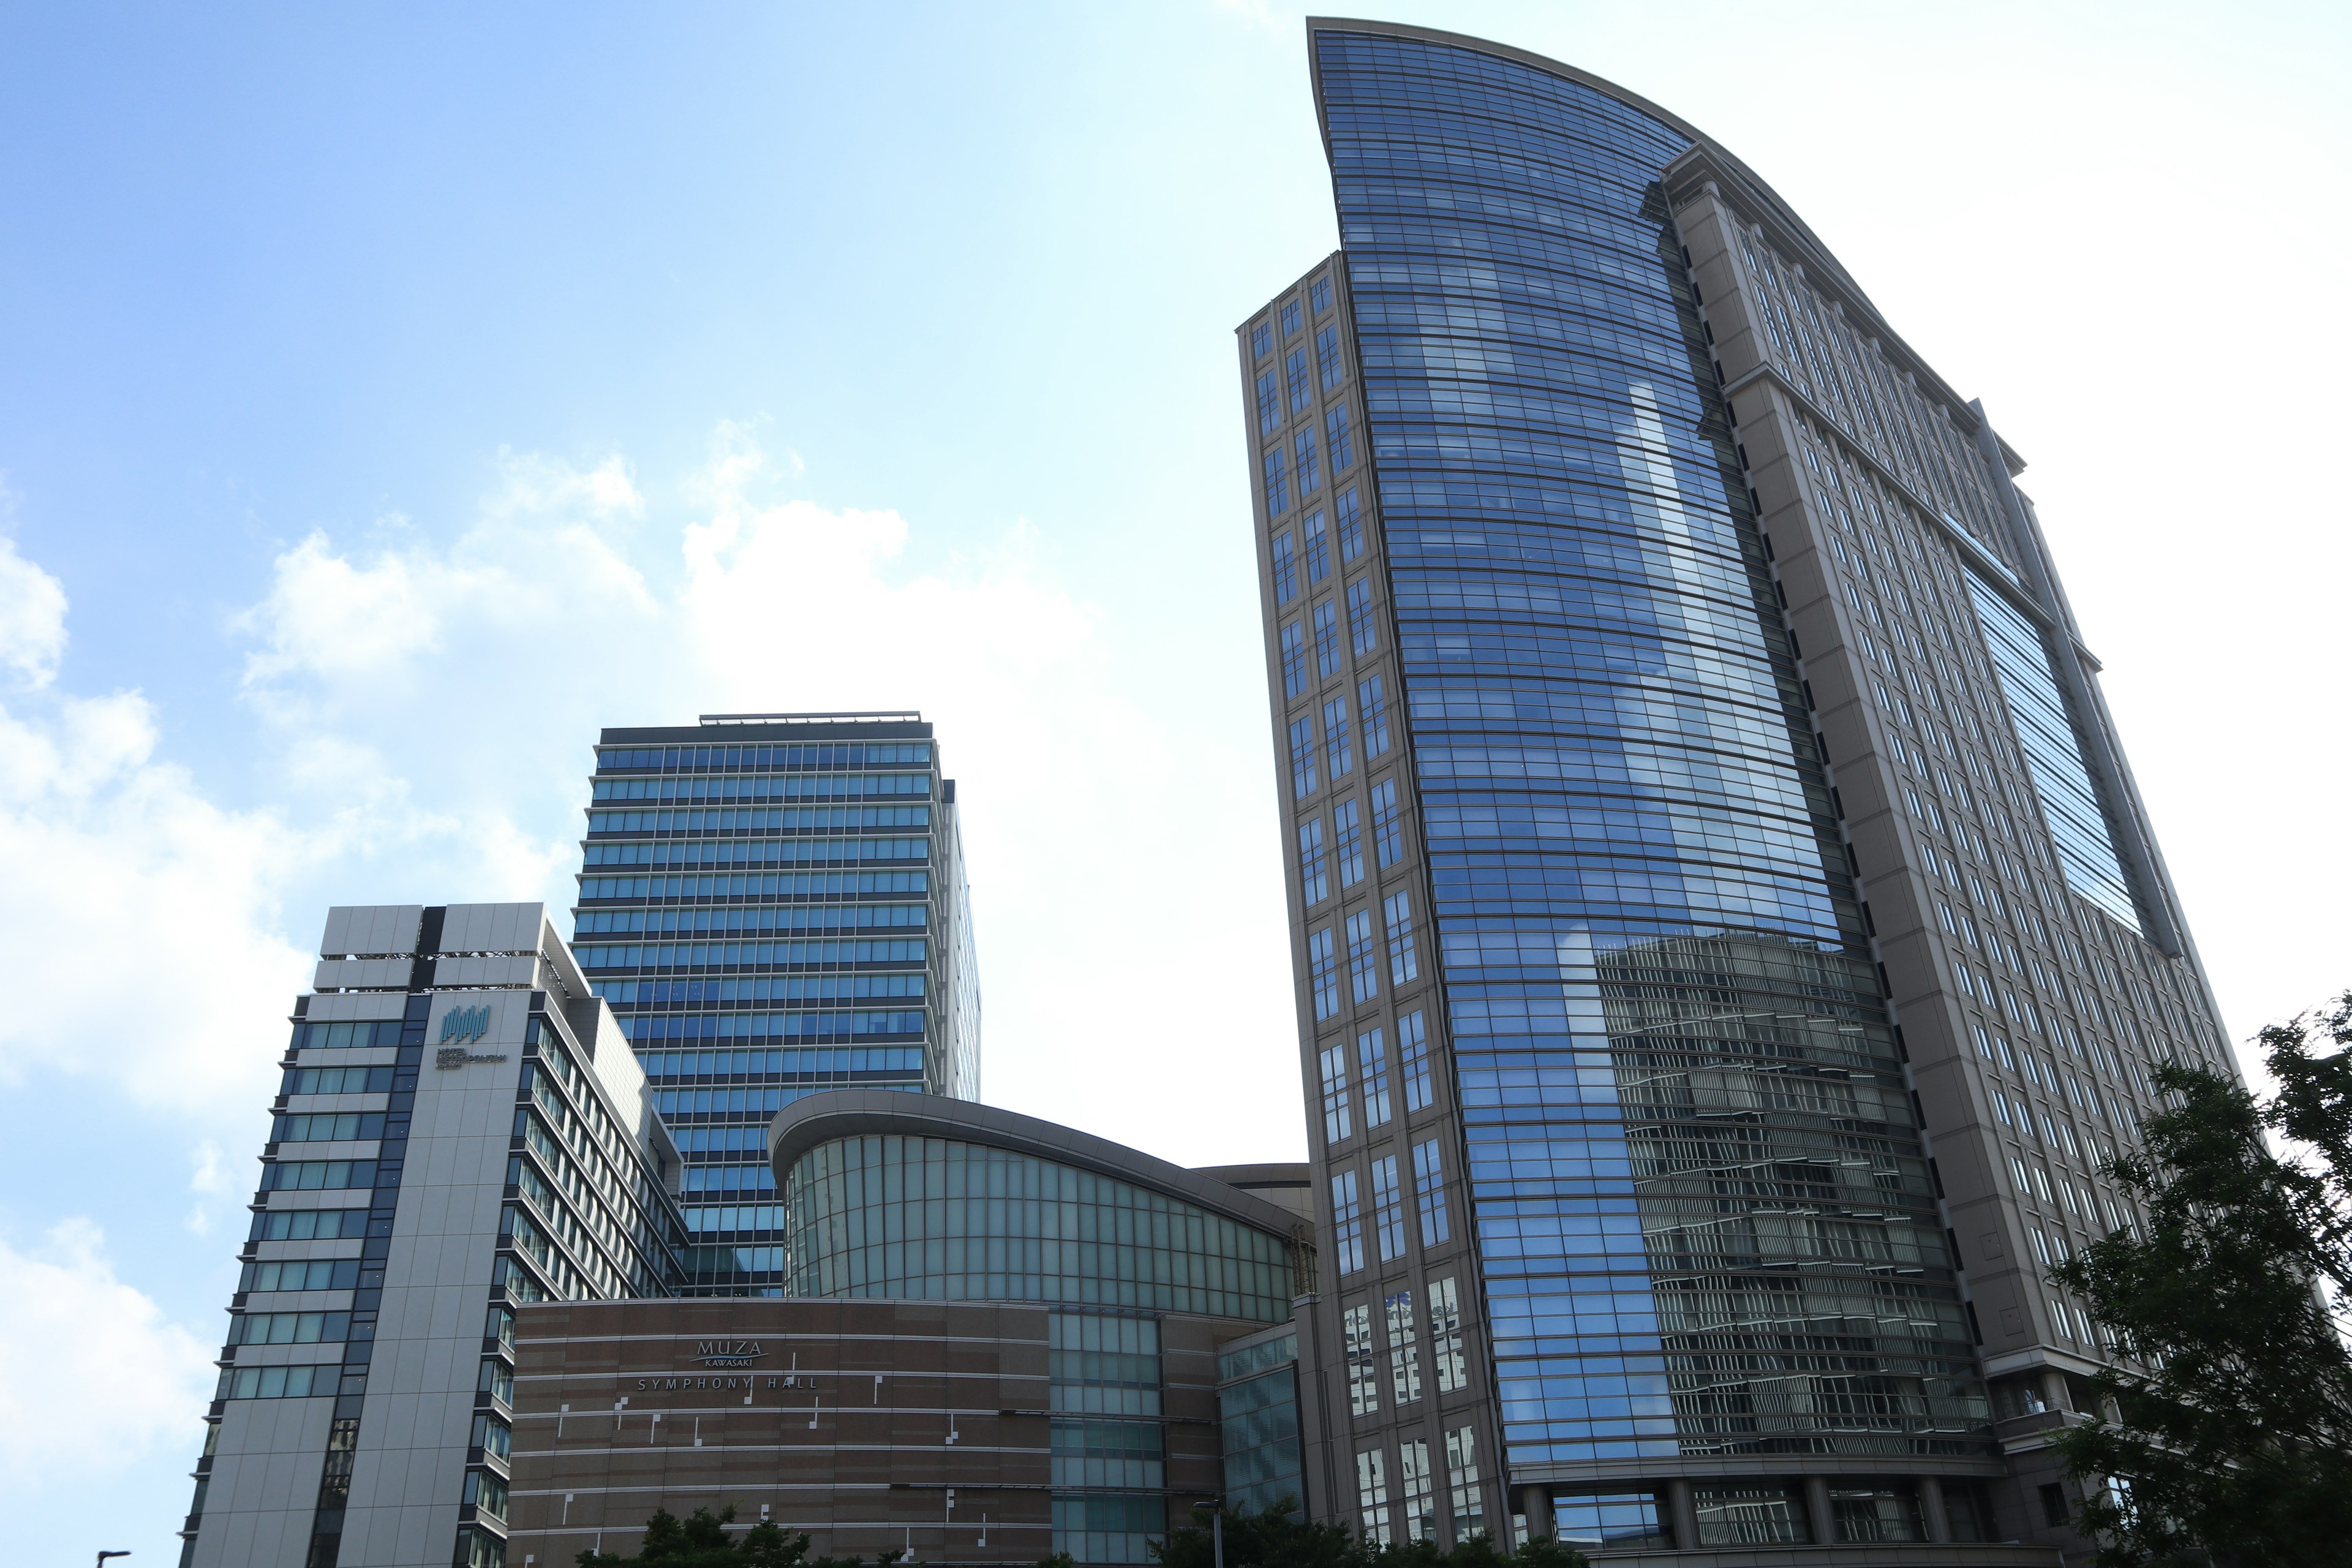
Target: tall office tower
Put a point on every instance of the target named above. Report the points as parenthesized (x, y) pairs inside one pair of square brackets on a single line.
[(775, 903), (450, 1141), (1727, 935)]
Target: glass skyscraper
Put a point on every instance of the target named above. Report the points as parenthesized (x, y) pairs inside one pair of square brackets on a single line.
[(773, 904), (1728, 936)]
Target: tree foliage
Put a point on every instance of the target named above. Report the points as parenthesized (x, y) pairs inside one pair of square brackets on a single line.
[(702, 1540), (2231, 1423), (1275, 1538)]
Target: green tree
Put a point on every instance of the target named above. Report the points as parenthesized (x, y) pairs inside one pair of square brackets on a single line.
[(2230, 1426), (701, 1539), (1279, 1539)]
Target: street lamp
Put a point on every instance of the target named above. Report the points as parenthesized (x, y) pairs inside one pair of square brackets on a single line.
[(1216, 1507), (104, 1555)]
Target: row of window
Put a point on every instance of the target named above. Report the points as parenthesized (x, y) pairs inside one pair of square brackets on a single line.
[(748, 920), (754, 851), (1262, 331), (749, 955), (1416, 1503), (810, 988), (327, 1127), (757, 885), (1371, 1090), (1313, 549), (1337, 748), (336, 1080), (821, 1062), (1362, 957), (1303, 464), (855, 754), (1363, 637), (772, 819), (1388, 1222), (1347, 844)]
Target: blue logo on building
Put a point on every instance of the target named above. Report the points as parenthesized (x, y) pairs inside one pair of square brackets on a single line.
[(465, 1024)]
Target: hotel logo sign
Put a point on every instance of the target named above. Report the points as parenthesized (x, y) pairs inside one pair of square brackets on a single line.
[(461, 1024)]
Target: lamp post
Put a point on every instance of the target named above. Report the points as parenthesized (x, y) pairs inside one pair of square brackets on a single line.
[(1216, 1507), (104, 1555)]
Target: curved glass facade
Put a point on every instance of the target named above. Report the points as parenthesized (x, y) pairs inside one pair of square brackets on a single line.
[(1703, 1218), (941, 1219)]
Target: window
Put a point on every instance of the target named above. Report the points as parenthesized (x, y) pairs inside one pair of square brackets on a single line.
[(1335, 730), (1320, 294), (1294, 660), (1286, 568), (1269, 405), (310, 1175), (1327, 640), (1326, 356), (278, 1381), (1278, 487), (2053, 1505), (1461, 1481), (487, 1492), (1429, 1188), (1373, 704), (290, 1328), (1323, 973), (1336, 432), (1314, 886), (1363, 1382), (1261, 339), (1445, 1336), (1337, 1127), (1309, 477), (1388, 1208), (1755, 1515), (1361, 629), (329, 1127), (1318, 548), (308, 1224), (1387, 837), (1302, 391), (1348, 843), (1412, 1050), (300, 1274), (1372, 1497), (1289, 318), (1348, 1224), (1404, 1348), (1363, 956), (1420, 1494), (1351, 532), (1303, 781), (1617, 1520), (1372, 1073), (1402, 964), (336, 1080)]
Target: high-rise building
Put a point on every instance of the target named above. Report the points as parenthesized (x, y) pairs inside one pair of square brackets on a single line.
[(460, 1131), (772, 904), (1728, 938)]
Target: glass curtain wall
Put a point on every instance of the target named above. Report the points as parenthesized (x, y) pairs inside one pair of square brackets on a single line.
[(935, 1218), (1703, 1218), (765, 921)]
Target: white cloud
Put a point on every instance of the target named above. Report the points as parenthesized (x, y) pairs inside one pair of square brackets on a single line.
[(126, 884), (32, 617), (136, 1381), (1108, 839)]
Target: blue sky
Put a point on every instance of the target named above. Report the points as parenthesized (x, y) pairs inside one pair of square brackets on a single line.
[(390, 396)]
